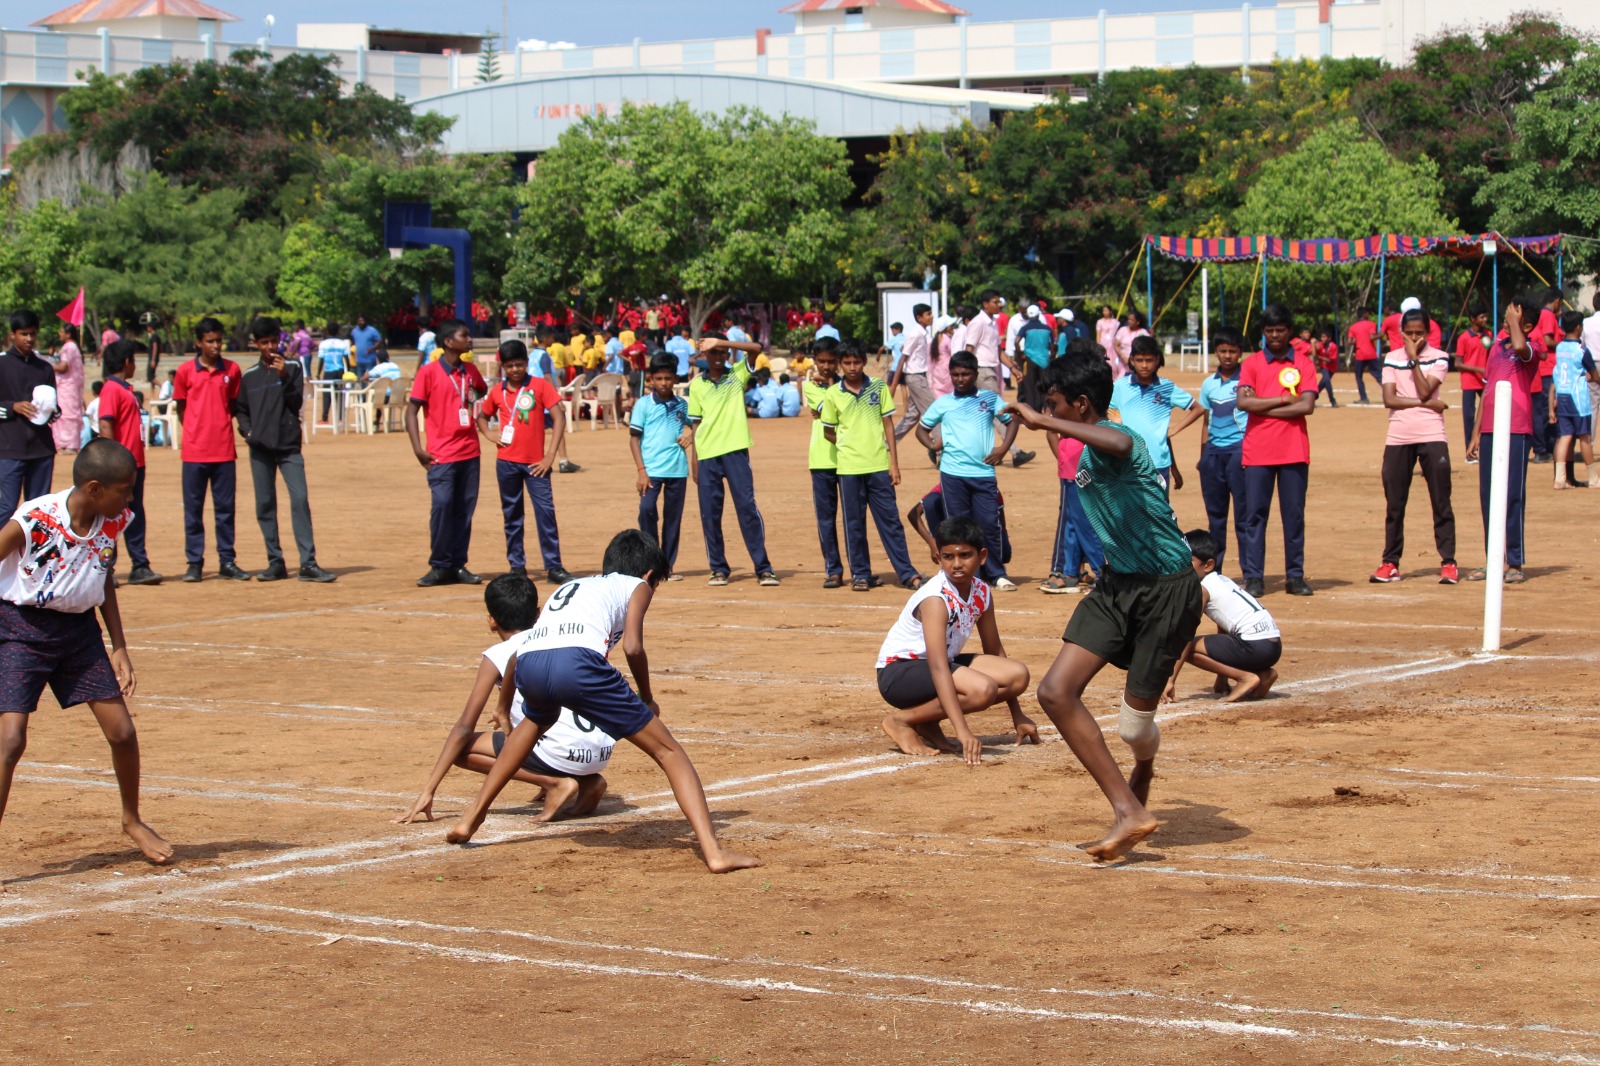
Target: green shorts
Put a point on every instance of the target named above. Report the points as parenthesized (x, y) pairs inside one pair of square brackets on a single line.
[(1140, 624)]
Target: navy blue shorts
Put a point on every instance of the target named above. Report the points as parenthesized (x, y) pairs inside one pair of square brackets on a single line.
[(533, 764), (40, 647), (1569, 423), (583, 680)]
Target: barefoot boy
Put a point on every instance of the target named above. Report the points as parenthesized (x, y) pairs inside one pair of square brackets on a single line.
[(567, 761), (922, 672), (1246, 645), (1142, 612), (562, 663), (55, 569)]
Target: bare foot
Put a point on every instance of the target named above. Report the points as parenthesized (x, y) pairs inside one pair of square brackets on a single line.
[(1244, 689), (934, 736), (556, 798), (156, 849), (1123, 838), (591, 790), (726, 861), (1144, 771), (462, 831), (905, 738), (1269, 677)]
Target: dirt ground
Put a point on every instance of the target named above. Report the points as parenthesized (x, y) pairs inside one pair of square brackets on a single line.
[(1386, 861)]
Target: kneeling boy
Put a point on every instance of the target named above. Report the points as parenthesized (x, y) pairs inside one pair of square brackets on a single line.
[(922, 672), (1246, 645), (1142, 612), (55, 569), (568, 760), (561, 663)]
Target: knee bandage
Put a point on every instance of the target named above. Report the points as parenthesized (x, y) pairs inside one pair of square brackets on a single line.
[(1139, 730)]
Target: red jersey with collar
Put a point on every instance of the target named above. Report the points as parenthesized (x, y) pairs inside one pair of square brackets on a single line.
[(522, 411), (207, 394), (446, 398), (1277, 441), (118, 407)]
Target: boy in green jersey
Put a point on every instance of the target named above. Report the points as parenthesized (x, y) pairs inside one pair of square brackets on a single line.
[(823, 460), (722, 442), (1142, 612)]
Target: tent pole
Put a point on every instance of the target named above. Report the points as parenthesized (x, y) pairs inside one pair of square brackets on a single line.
[(1560, 254), (1495, 303), (1205, 310), (1149, 287), (1383, 272)]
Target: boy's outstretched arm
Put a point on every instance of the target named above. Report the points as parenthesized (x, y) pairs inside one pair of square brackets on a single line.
[(1111, 441), (457, 741), (989, 632), (935, 618), (633, 644)]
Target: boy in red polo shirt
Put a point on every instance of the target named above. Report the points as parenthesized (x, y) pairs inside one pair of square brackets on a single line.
[(1363, 334), (445, 391), (1472, 355), (120, 421), (205, 389), (1547, 334), (520, 405), (1278, 390)]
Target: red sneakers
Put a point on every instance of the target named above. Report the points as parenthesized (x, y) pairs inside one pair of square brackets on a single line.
[(1448, 574), (1384, 574)]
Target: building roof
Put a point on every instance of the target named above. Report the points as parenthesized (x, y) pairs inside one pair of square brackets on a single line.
[(106, 10), (933, 7)]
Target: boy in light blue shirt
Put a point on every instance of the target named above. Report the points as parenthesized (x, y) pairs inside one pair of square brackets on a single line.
[(661, 443), (965, 419), (764, 399), (683, 348), (1221, 469), (1144, 401), (897, 344), (1571, 408)]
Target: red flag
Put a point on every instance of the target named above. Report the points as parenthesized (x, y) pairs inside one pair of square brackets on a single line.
[(73, 312)]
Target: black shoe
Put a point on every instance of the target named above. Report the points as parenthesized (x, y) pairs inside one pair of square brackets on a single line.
[(567, 466), (1296, 586), (313, 572), (274, 572), (833, 581), (1255, 587), (143, 575), (467, 577), (1022, 458), (192, 574), (558, 576), (434, 578), (233, 572), (518, 571)]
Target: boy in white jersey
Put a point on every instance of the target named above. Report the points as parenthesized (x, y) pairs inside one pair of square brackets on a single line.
[(1246, 645), (922, 672), (566, 763), (561, 663), (56, 556)]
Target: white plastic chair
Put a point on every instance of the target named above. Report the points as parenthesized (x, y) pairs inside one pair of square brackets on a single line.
[(606, 400)]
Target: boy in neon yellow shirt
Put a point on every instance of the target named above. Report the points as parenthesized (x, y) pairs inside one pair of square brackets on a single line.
[(722, 442)]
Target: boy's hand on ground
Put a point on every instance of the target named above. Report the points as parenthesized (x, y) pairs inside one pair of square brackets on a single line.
[(122, 666), (420, 810), (1170, 693), (1027, 731), (971, 748)]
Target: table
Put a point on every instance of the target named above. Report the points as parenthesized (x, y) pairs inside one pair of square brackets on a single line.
[(334, 392)]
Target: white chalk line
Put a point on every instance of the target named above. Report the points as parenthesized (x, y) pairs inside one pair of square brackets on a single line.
[(1213, 1026), (908, 978)]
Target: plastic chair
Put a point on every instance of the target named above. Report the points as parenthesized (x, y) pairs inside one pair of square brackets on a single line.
[(606, 399), (778, 365), (360, 410), (164, 415)]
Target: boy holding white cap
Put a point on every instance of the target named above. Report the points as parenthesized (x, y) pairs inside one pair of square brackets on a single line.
[(27, 444)]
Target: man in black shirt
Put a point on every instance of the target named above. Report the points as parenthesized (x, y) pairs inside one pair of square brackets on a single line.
[(27, 451), (268, 414)]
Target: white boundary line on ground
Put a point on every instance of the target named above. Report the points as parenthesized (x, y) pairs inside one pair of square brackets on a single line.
[(1212, 1026)]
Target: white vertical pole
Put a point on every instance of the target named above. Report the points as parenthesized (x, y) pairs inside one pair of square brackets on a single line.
[(1205, 316), (1494, 585), (944, 289)]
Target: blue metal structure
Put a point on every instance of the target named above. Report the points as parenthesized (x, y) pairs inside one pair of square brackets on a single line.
[(410, 225)]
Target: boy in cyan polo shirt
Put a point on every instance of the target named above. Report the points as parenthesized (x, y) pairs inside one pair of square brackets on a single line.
[(1144, 402), (965, 419), (722, 442), (205, 389), (445, 391), (858, 416), (823, 460), (1278, 391), (1220, 468), (658, 434)]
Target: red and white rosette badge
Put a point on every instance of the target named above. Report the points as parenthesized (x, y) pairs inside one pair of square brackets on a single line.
[(1289, 378)]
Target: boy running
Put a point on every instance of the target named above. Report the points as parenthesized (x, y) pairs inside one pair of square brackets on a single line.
[(1142, 612), (1570, 406), (1246, 645), (823, 460), (922, 672), (561, 663), (658, 434), (520, 404), (721, 440), (206, 389), (857, 416), (569, 758), (55, 569)]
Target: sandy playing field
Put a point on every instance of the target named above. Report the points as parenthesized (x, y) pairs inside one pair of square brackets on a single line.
[(1386, 861)]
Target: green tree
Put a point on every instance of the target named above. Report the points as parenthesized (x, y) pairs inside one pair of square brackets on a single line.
[(39, 255), (1341, 183), (657, 199), (177, 252), (1552, 181), (488, 59)]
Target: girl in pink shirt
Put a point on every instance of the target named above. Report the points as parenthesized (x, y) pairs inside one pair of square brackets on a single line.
[(1123, 342), (68, 362)]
